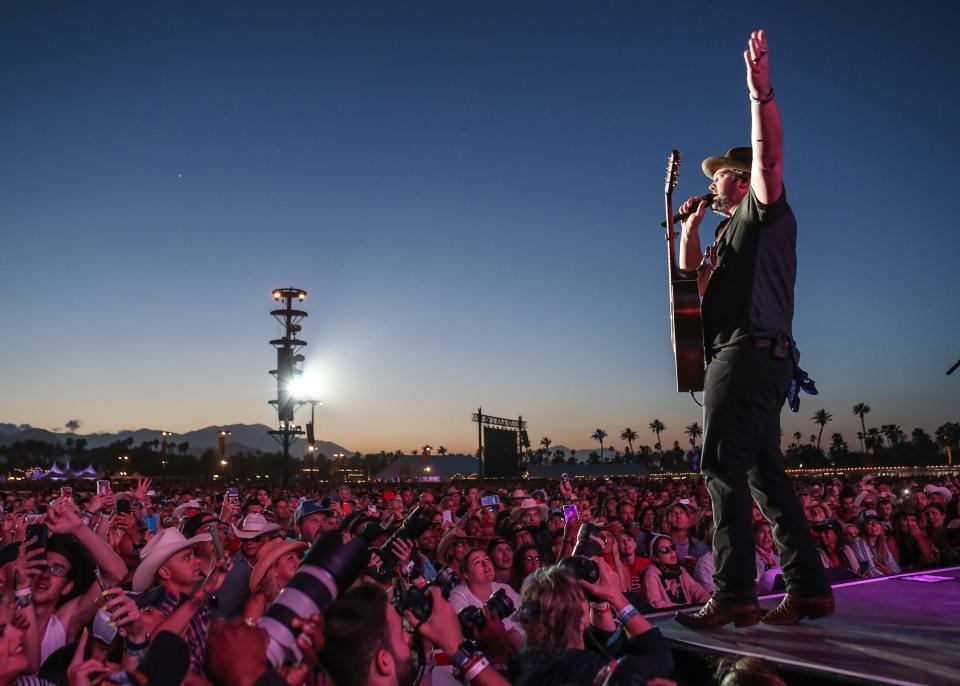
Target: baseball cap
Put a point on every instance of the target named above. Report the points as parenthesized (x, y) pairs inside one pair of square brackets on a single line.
[(309, 507)]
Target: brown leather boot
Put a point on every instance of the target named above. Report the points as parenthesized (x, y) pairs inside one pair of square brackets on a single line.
[(716, 614), (792, 609)]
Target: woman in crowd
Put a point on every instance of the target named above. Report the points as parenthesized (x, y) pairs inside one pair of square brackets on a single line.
[(554, 616), (501, 554), (768, 562), (479, 585), (276, 564), (13, 652), (911, 547), (526, 560), (834, 553), (874, 558), (666, 583)]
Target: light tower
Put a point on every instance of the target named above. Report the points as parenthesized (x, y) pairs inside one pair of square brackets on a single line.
[(289, 359)]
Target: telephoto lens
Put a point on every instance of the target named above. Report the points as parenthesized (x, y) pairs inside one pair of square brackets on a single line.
[(416, 523), (328, 568)]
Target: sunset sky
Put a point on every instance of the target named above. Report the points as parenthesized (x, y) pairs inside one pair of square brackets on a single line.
[(470, 193)]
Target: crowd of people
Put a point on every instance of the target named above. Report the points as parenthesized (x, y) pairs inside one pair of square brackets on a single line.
[(547, 584)]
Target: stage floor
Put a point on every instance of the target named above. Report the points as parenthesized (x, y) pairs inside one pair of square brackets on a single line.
[(894, 630)]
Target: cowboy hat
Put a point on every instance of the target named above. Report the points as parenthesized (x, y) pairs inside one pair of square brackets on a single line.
[(447, 541), (181, 510), (529, 504), (253, 525), (738, 159), (157, 551), (942, 491), (269, 554)]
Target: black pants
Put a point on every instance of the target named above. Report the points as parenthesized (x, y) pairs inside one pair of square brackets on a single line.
[(744, 390)]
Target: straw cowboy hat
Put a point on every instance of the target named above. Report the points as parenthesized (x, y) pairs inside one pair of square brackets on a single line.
[(529, 504), (253, 525), (157, 551), (447, 541), (269, 554), (738, 159)]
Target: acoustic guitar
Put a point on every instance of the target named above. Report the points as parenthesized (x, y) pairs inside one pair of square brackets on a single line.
[(686, 326)]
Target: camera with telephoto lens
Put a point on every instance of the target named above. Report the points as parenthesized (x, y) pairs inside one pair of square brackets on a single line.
[(474, 619), (329, 567), (588, 545), (418, 600), (416, 523)]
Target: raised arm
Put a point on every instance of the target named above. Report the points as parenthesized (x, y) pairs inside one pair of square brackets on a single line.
[(766, 131)]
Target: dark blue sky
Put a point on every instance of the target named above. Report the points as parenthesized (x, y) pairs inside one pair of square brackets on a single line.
[(470, 194)]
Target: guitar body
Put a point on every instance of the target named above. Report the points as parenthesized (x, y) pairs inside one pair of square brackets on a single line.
[(687, 332), (686, 324)]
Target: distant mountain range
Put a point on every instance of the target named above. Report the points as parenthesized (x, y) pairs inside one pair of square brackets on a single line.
[(243, 437)]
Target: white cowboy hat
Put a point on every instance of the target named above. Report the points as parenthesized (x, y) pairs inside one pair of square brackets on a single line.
[(181, 509), (253, 525), (529, 504), (943, 491), (157, 551)]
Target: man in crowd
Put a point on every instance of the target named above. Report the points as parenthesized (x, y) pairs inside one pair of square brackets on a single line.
[(678, 519), (311, 519), (180, 601), (254, 531)]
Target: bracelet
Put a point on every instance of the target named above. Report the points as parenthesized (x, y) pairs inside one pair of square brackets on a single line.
[(601, 607), (476, 667), (131, 646), (23, 592), (627, 612), (24, 601), (764, 100)]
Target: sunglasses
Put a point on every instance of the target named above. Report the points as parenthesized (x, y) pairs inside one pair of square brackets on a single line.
[(528, 558), (58, 570), (666, 549)]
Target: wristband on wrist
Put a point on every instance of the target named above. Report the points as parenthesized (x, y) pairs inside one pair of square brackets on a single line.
[(23, 592), (627, 612), (476, 666), (601, 607), (24, 601), (764, 100)]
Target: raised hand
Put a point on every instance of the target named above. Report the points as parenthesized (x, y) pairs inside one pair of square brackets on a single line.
[(30, 563), (758, 65), (143, 485), (82, 672), (62, 517)]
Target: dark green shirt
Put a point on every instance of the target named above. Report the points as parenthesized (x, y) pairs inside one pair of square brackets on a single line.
[(751, 291)]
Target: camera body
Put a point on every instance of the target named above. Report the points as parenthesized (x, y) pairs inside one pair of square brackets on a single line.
[(418, 601), (583, 568), (474, 619)]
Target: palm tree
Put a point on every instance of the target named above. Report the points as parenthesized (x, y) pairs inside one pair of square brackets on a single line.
[(442, 451), (893, 433), (599, 435), (797, 435), (821, 417), (693, 431), (656, 426), (546, 443), (628, 435), (861, 409)]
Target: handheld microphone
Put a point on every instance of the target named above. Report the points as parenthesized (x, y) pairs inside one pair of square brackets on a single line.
[(678, 217)]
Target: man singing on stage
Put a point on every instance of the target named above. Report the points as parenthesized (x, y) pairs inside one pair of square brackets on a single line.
[(747, 285)]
